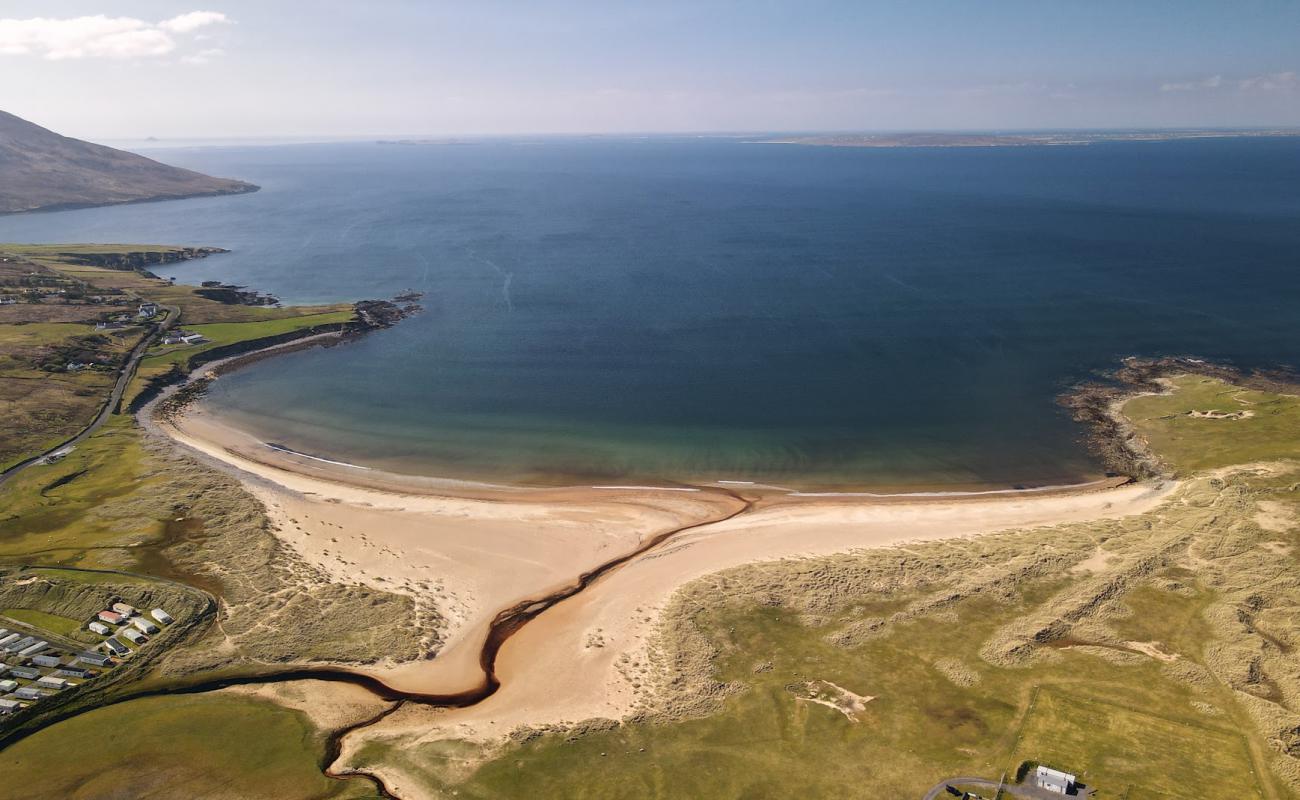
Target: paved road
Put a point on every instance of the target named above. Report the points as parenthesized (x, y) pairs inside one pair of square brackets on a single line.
[(123, 378), (940, 790)]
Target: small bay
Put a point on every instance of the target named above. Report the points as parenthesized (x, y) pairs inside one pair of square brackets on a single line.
[(684, 308)]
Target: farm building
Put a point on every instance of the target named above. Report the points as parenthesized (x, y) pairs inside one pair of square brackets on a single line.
[(94, 659), (51, 682), (115, 647), (124, 609), (100, 628), (161, 616), (1053, 780), (183, 337), (111, 617), (8, 686), (133, 635), (144, 626), (46, 661)]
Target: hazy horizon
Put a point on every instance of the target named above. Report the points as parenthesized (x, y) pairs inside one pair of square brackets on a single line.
[(132, 69)]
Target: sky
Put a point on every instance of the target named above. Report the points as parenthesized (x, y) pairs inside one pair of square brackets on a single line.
[(129, 69)]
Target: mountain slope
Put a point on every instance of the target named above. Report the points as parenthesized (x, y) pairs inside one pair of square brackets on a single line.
[(40, 169)]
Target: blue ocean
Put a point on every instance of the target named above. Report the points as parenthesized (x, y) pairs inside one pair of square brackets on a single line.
[(677, 308)]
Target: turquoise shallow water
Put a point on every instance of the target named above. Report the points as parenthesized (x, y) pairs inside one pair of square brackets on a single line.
[(674, 308)]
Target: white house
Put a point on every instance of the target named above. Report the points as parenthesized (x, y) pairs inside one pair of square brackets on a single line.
[(1053, 780), (161, 616), (124, 609), (132, 635), (100, 628), (144, 626)]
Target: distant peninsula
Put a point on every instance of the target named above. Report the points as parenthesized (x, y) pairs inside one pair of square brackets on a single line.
[(993, 139), (43, 171)]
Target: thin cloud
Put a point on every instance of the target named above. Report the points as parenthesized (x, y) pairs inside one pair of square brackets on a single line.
[(1212, 82), (1270, 82), (204, 56), (98, 36), (185, 23), (1273, 82)]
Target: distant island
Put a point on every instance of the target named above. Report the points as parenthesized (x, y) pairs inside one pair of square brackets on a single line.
[(935, 139), (43, 171)]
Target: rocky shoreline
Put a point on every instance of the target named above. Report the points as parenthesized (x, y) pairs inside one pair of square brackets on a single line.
[(1095, 404), (371, 315), (141, 260)]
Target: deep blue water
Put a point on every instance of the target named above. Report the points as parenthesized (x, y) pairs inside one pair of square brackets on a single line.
[(667, 308)]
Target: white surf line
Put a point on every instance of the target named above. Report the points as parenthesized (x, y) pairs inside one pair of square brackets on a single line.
[(755, 484), (313, 458), (505, 291), (951, 494), (649, 488)]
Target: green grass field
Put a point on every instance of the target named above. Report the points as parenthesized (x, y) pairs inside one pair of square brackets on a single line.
[(47, 512), (46, 622), (217, 747), (224, 333), (1190, 443), (1124, 751)]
